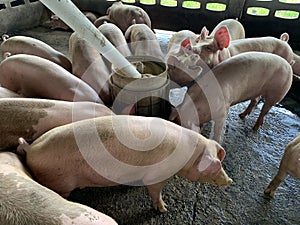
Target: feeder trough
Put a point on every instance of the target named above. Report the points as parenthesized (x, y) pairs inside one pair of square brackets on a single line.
[(146, 96)]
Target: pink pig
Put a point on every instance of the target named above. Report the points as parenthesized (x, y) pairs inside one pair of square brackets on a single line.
[(24, 201), (246, 76), (33, 76), (28, 45), (215, 50), (143, 41), (113, 150), (30, 118), (290, 164), (116, 37), (124, 15), (89, 66)]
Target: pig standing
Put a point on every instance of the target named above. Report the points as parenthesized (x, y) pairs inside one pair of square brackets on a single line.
[(24, 201), (5, 93), (124, 15), (33, 76), (246, 76), (109, 150), (28, 45), (296, 59), (89, 66), (235, 28), (179, 55), (143, 41), (30, 118), (289, 164), (116, 37), (213, 51), (57, 23)]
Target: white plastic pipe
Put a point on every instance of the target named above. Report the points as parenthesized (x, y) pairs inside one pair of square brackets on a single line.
[(75, 19)]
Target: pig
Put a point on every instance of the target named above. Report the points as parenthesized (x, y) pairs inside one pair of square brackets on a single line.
[(89, 66), (213, 51), (143, 41), (179, 53), (30, 118), (296, 59), (24, 201), (116, 37), (123, 149), (246, 76), (235, 29), (33, 76), (28, 45), (6, 93), (289, 165), (124, 15), (57, 23)]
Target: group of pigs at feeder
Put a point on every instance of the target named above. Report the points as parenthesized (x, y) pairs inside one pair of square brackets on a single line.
[(57, 105)]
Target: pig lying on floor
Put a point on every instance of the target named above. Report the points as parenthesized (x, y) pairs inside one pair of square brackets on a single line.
[(24, 201), (113, 150)]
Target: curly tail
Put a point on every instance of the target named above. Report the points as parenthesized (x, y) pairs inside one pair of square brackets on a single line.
[(23, 147), (5, 37)]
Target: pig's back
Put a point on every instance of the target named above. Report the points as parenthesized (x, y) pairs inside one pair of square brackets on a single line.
[(257, 67)]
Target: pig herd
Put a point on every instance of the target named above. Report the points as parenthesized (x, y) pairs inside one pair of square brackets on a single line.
[(58, 132)]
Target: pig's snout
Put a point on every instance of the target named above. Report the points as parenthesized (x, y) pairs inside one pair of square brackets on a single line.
[(219, 179)]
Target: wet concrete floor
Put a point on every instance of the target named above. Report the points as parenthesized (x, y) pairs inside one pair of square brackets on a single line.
[(252, 160)]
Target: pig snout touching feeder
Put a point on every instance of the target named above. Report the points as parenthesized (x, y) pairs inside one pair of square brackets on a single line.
[(75, 19), (139, 84), (145, 96)]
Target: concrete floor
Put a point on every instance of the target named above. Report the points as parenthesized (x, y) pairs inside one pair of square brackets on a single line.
[(252, 160)]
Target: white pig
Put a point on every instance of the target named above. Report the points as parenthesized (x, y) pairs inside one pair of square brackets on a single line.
[(289, 165), (30, 118), (179, 53), (89, 66), (246, 76), (116, 37), (28, 45), (110, 150), (24, 201), (143, 41), (33, 76), (124, 15), (213, 51)]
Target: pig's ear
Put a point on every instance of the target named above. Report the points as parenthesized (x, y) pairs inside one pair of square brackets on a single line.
[(203, 34), (186, 46), (222, 37), (285, 37), (209, 165), (172, 61), (221, 154), (186, 43)]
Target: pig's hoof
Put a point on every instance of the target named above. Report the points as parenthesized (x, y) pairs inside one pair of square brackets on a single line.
[(269, 192), (161, 206), (242, 115), (255, 128)]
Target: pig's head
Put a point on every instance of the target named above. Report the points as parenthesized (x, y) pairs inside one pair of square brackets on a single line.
[(208, 47), (185, 65), (207, 167)]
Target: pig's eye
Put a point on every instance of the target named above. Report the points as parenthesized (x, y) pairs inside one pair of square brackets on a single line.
[(208, 48)]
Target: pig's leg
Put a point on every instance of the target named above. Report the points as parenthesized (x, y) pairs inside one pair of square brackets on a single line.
[(280, 176), (219, 126), (155, 194), (265, 109), (250, 107)]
